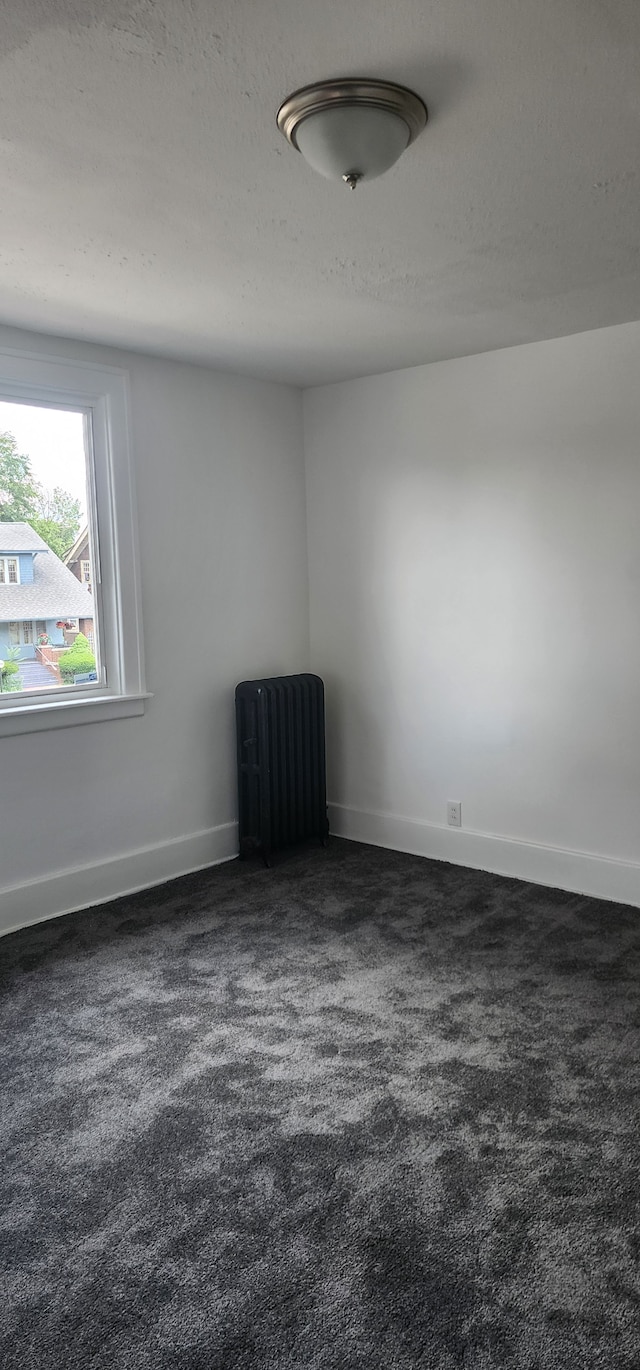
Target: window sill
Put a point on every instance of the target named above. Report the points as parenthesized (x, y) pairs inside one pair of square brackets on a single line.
[(69, 713)]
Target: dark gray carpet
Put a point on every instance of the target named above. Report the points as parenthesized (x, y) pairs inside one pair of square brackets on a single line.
[(361, 1111)]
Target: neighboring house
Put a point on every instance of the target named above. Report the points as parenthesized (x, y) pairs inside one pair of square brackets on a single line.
[(37, 591), (78, 560), (79, 563)]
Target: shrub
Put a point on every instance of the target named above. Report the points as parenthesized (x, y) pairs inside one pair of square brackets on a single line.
[(77, 660), (10, 670)]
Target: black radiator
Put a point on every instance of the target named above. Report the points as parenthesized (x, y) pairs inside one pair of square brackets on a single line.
[(281, 766)]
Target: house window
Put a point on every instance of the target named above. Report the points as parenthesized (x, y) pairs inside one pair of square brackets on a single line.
[(70, 421), (9, 571)]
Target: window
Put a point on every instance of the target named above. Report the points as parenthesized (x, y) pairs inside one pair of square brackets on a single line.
[(110, 684), (46, 453), (9, 571)]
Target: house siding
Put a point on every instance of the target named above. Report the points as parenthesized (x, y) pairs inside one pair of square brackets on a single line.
[(81, 554), (26, 568), (28, 649)]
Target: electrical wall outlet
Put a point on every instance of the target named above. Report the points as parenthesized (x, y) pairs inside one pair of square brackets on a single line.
[(454, 813)]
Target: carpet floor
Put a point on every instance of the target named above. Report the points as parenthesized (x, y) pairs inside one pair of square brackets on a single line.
[(358, 1112)]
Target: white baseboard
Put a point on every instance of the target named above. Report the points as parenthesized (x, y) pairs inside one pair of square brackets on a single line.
[(79, 887), (582, 873)]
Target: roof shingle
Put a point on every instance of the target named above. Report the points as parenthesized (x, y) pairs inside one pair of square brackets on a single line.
[(20, 537)]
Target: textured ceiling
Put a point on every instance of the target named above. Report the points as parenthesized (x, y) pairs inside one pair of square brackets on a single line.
[(149, 200)]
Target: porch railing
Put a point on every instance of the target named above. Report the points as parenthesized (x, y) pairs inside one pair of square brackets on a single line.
[(49, 657)]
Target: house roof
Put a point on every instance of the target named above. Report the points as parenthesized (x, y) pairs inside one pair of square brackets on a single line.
[(55, 592), (80, 546), (20, 537)]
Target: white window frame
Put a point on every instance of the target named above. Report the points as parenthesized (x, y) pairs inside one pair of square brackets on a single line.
[(85, 578), (5, 559), (102, 394)]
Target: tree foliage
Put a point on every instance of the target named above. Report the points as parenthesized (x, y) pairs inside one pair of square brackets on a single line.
[(18, 489), (57, 519), (54, 514)]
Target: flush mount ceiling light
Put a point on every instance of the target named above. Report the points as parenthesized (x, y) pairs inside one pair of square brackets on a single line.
[(352, 130)]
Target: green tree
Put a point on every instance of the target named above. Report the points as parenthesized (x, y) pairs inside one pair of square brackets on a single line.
[(54, 514), (57, 519), (18, 489)]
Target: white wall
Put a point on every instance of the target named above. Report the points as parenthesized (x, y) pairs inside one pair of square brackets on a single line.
[(220, 477), (474, 554), (475, 610)]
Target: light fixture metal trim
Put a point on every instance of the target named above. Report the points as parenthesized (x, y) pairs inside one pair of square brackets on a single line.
[(383, 95)]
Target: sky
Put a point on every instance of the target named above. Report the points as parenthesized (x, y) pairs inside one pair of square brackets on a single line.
[(54, 441)]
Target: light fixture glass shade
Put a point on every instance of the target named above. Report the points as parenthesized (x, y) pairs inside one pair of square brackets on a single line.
[(353, 129), (352, 140)]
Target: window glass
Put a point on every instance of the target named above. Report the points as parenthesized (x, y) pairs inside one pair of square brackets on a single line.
[(46, 532), (68, 522)]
